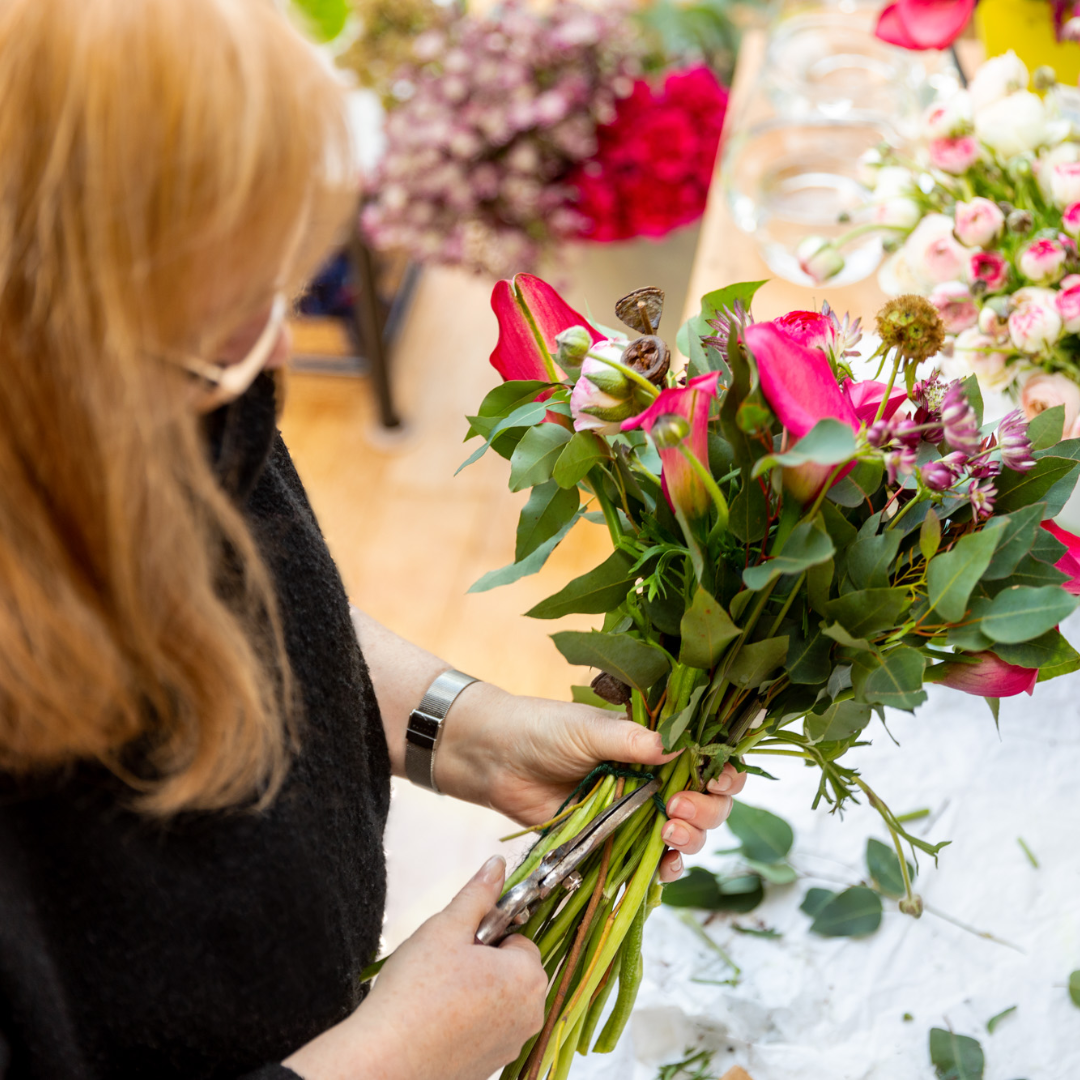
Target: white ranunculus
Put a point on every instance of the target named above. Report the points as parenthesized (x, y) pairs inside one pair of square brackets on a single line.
[(949, 118), (1063, 154), (1014, 125), (899, 212), (999, 77), (990, 364), (893, 180)]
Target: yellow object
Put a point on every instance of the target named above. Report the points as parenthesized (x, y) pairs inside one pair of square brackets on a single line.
[(1027, 27)]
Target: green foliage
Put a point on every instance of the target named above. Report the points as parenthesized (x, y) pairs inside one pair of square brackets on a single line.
[(884, 867), (952, 576), (765, 837), (992, 1023), (1046, 428), (706, 630), (549, 508), (807, 546), (594, 593), (635, 662), (855, 912), (689, 337), (581, 453), (534, 457), (756, 661), (864, 613), (1019, 613), (828, 442), (697, 888), (840, 720), (898, 681), (1017, 490), (956, 1057), (531, 564), (1074, 987), (672, 727)]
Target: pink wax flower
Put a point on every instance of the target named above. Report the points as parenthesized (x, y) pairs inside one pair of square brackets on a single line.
[(991, 267), (955, 305), (1042, 261), (531, 313), (681, 485), (979, 222), (954, 156), (924, 24), (1070, 219), (1069, 563), (800, 387), (990, 677)]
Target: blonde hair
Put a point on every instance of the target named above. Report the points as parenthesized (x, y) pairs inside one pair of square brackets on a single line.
[(158, 160)]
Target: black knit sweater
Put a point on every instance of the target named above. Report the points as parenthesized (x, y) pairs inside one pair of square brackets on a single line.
[(214, 945)]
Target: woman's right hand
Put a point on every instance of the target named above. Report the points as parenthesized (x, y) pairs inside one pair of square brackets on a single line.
[(442, 1006)]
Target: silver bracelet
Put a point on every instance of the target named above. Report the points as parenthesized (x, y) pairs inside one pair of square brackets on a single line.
[(425, 727)]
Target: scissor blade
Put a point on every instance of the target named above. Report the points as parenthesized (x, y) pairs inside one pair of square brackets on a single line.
[(578, 849)]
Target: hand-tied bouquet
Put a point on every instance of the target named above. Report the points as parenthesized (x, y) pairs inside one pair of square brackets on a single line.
[(793, 551), (984, 219)]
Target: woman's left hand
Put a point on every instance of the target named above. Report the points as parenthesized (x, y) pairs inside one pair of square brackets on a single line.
[(523, 756)]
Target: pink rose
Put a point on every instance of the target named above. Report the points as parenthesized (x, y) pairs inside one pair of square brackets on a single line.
[(979, 222), (991, 267), (1070, 219), (1044, 391), (955, 305), (1035, 325), (1065, 182), (1067, 302), (1042, 261), (954, 156)]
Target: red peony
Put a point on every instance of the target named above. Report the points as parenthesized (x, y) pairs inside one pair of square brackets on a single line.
[(655, 160)]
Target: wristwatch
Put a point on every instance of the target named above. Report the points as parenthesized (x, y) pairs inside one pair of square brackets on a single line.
[(425, 727)]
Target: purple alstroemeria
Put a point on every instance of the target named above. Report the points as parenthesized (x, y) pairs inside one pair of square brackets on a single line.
[(959, 422), (989, 676), (1014, 444), (981, 495), (681, 485), (942, 474), (531, 314), (800, 387)]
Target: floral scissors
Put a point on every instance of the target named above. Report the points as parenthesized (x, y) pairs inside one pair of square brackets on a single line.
[(558, 867)]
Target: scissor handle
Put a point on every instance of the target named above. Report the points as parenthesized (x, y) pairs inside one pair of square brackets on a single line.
[(510, 912)]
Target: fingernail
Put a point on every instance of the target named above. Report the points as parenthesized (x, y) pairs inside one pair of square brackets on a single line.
[(720, 785), (676, 865), (683, 808), (492, 870), (675, 834)]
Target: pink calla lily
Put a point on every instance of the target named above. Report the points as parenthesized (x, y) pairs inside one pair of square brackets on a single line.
[(1069, 563), (865, 398), (800, 387), (924, 24), (990, 677), (531, 313), (681, 485)]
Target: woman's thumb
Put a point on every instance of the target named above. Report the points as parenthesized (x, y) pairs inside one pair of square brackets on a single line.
[(621, 740), (478, 896)]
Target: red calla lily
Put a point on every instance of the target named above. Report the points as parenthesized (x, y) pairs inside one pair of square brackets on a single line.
[(990, 677)]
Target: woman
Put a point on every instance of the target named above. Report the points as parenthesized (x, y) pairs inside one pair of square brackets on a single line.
[(194, 753)]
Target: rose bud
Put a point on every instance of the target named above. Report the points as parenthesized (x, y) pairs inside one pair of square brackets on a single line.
[(1035, 325), (989, 267), (958, 421), (954, 156), (1044, 391), (819, 259), (979, 222), (1042, 261), (955, 305), (1014, 444)]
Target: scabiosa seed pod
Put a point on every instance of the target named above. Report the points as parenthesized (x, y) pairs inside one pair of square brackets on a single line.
[(911, 325), (958, 421), (1014, 444)]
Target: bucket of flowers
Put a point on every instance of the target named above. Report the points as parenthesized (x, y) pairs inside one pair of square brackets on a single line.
[(793, 551)]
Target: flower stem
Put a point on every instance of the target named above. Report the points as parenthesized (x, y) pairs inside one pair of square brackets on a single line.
[(897, 360)]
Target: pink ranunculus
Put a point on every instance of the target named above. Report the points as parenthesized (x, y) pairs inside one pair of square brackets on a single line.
[(954, 156), (865, 397), (989, 677), (932, 253), (982, 354), (800, 387), (1065, 182), (1069, 563), (1070, 219), (681, 485), (955, 305), (1044, 391), (1042, 261), (809, 328), (1067, 302), (1035, 324), (531, 313), (819, 259), (978, 222), (991, 267), (924, 24)]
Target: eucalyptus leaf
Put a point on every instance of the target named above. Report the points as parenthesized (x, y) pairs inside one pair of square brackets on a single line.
[(930, 534), (807, 546), (746, 517), (973, 393), (1031, 572), (1047, 547), (689, 337), (951, 576), (1017, 537), (870, 560), (549, 508), (594, 593), (1046, 428), (992, 1023), (815, 900), (838, 722), (884, 867), (1074, 987), (837, 526), (584, 450), (828, 442), (779, 873), (534, 457), (898, 682), (697, 888), (507, 397), (1048, 650), (1020, 613), (853, 913), (859, 484), (956, 1057), (763, 836), (807, 661), (635, 662), (864, 613), (757, 661), (1016, 490), (706, 630)]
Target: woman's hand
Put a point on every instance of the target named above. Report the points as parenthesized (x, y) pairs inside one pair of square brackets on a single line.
[(442, 1005), (523, 756)]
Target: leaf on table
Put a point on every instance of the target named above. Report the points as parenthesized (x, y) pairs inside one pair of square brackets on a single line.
[(815, 900), (549, 508), (595, 593), (852, 913), (1074, 987), (884, 867), (992, 1023), (635, 662), (956, 1057), (779, 873), (807, 546), (756, 661), (697, 888), (951, 576), (898, 682), (534, 457), (584, 450), (706, 630), (531, 564), (764, 837)]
